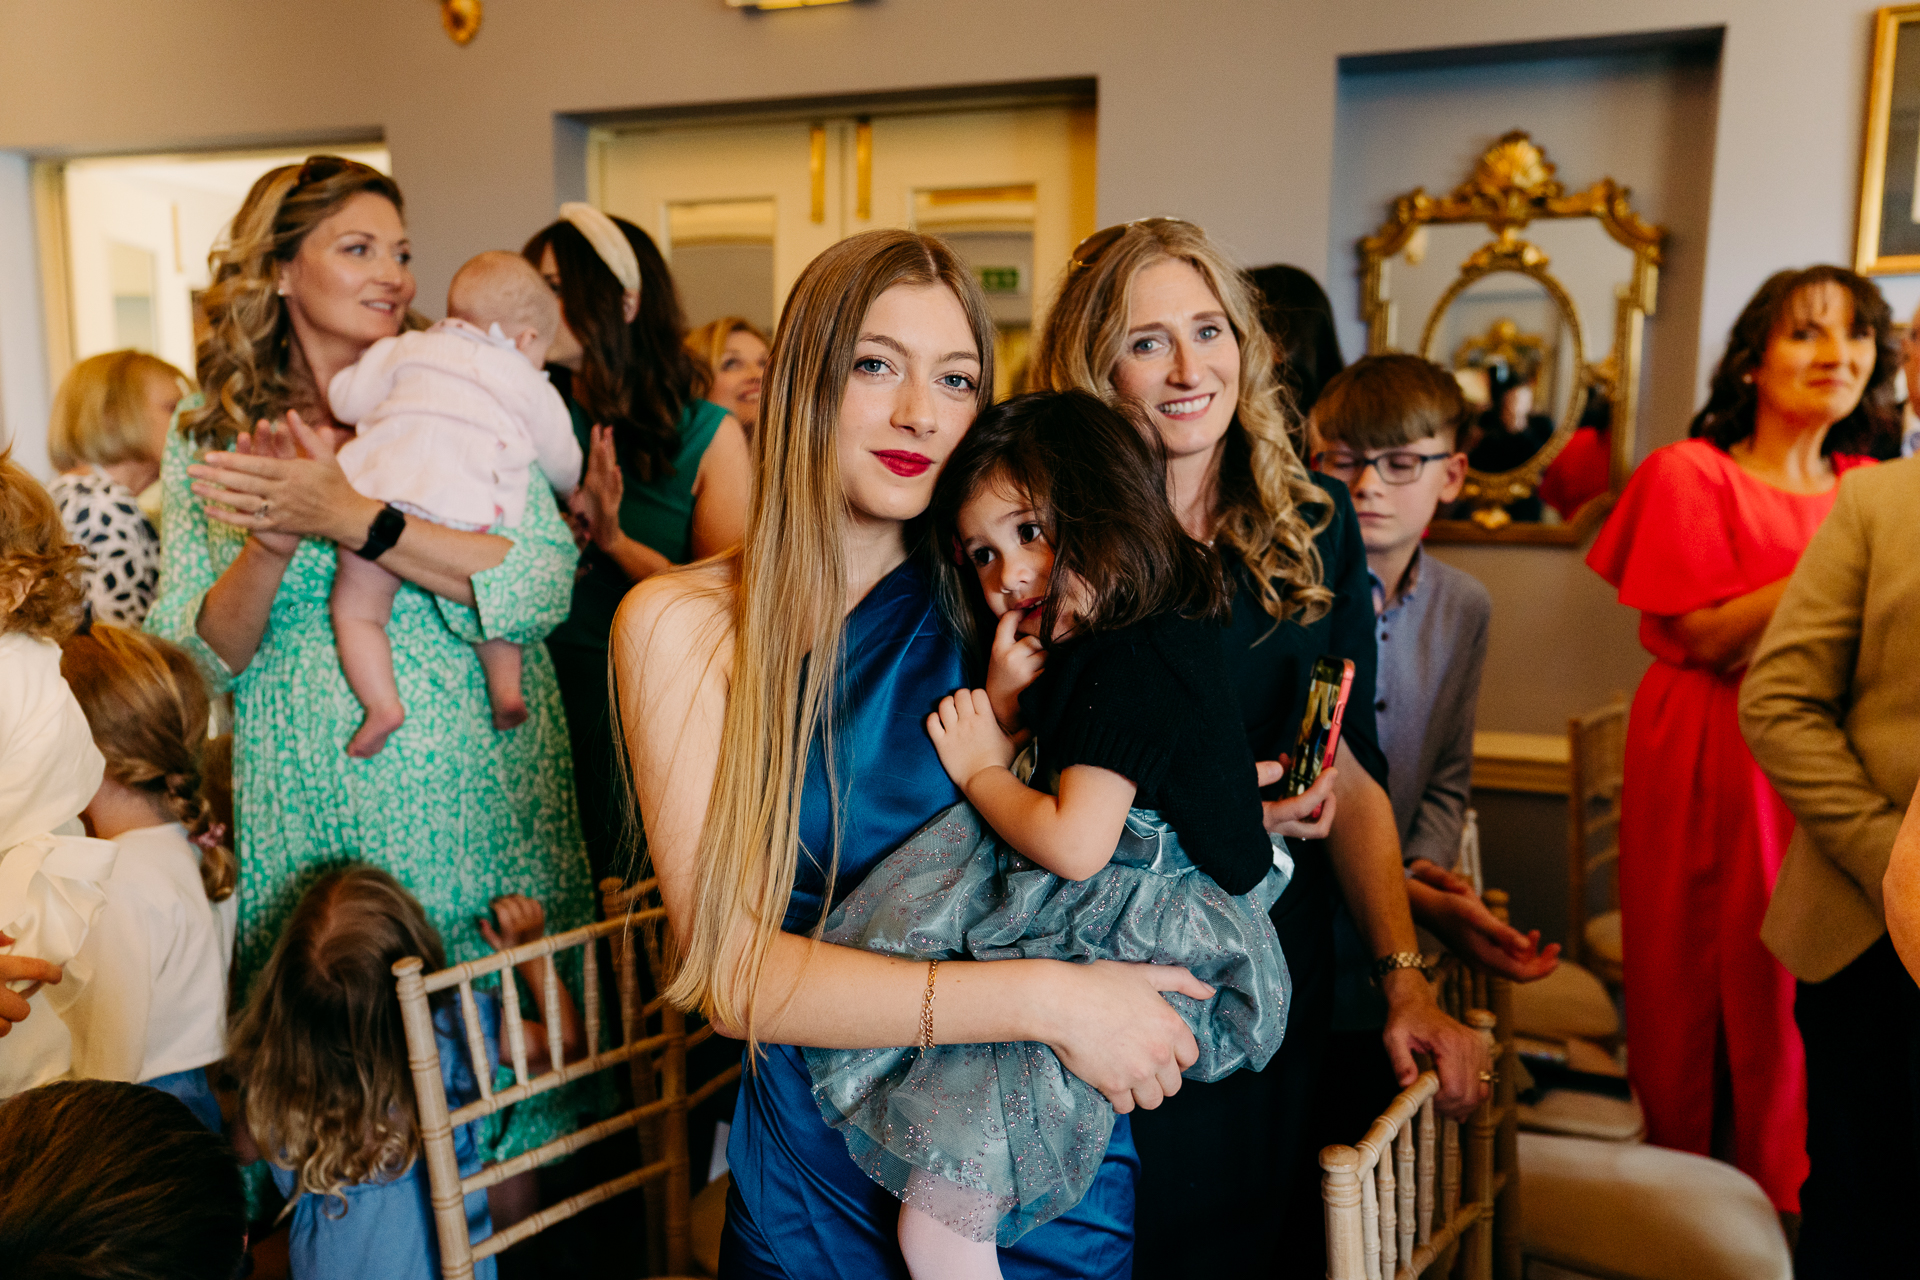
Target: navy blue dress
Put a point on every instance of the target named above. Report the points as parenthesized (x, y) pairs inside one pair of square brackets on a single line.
[(800, 1208)]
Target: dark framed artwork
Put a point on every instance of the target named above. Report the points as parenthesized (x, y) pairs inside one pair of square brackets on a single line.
[(1890, 177)]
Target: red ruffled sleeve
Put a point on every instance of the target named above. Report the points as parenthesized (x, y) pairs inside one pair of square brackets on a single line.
[(1669, 546)]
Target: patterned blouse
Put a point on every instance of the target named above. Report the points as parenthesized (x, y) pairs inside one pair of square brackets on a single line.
[(123, 551)]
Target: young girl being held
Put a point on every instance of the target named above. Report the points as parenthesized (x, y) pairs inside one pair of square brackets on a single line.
[(146, 999), (1142, 825), (326, 1093)]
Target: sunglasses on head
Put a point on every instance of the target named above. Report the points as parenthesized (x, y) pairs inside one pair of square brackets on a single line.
[(321, 168), (1088, 251)]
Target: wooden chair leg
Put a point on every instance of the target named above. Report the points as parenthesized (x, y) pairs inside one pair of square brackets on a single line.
[(1479, 1243), (436, 1124), (677, 1187), (1507, 1262)]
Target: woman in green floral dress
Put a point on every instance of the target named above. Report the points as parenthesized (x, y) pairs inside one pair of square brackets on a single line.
[(459, 813)]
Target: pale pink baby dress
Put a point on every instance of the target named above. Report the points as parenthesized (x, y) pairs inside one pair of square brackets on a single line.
[(450, 419)]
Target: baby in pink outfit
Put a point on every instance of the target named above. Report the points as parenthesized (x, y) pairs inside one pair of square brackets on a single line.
[(450, 420)]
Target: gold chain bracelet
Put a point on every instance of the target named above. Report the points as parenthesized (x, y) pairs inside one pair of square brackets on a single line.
[(926, 1008)]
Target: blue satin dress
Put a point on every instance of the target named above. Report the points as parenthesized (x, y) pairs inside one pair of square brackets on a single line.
[(800, 1208)]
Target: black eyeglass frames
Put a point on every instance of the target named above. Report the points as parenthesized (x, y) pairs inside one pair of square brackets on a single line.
[(1396, 466)]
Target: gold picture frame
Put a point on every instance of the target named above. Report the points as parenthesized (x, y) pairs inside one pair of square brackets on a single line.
[(1889, 239)]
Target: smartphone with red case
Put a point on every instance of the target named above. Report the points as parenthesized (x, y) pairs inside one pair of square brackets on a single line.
[(1327, 694)]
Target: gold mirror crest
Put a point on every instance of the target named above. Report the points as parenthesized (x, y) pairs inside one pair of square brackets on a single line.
[(1514, 184)]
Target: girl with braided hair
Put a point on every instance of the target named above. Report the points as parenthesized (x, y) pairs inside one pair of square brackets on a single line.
[(145, 999)]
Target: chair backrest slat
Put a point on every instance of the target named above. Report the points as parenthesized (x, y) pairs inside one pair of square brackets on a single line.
[(1370, 1225), (550, 1007), (1426, 1149), (590, 984), (1409, 1220), (512, 1025), (1389, 1196), (476, 1042)]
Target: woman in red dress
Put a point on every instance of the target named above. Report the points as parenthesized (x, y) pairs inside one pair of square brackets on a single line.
[(1702, 543)]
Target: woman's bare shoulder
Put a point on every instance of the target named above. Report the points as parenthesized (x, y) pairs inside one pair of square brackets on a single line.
[(679, 612)]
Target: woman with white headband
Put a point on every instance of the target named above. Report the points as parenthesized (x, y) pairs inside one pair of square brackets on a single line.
[(667, 475)]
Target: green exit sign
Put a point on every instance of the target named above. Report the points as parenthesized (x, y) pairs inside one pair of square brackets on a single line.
[(999, 279)]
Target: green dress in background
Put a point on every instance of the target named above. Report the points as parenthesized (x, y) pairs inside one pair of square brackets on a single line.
[(457, 812), (658, 513)]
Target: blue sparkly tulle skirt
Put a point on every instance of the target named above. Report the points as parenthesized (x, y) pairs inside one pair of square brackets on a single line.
[(995, 1139)]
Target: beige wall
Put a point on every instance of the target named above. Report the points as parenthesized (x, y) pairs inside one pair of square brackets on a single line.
[(1219, 110)]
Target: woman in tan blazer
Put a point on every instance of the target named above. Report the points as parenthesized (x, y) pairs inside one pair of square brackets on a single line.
[(1831, 709)]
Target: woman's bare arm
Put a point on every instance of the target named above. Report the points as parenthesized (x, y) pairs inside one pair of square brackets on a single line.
[(722, 490), (1723, 636), (1365, 850), (234, 612), (1108, 1022)]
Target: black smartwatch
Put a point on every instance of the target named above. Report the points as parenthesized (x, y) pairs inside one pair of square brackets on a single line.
[(383, 533)]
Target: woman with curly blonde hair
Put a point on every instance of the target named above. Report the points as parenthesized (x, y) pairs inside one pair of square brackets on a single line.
[(1152, 313), (314, 272)]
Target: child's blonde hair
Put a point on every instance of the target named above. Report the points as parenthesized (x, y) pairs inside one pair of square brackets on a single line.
[(100, 411), (320, 1051), (147, 707), (40, 583)]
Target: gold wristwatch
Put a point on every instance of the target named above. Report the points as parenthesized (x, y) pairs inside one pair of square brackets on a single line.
[(1398, 960)]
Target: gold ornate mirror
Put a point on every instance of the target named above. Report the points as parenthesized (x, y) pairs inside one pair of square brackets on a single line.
[(1520, 320)]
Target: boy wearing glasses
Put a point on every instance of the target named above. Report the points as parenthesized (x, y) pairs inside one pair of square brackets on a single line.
[(1389, 426)]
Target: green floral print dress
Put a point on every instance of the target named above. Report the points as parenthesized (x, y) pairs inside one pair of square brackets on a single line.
[(456, 811)]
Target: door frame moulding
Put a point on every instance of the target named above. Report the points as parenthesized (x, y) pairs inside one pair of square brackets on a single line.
[(53, 251), (1080, 91)]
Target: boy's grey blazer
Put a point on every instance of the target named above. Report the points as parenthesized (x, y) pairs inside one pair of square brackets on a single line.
[(1831, 708)]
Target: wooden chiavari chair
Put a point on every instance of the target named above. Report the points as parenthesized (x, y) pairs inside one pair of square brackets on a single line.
[(658, 1113), (664, 1135), (1403, 1198), (1597, 753)]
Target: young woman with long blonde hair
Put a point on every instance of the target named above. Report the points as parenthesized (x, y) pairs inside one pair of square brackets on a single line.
[(772, 704), (315, 272), (1153, 313)]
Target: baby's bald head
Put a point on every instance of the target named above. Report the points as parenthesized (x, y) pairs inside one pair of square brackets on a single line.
[(502, 288)]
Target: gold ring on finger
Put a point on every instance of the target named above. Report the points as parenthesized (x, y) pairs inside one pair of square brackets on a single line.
[(265, 503)]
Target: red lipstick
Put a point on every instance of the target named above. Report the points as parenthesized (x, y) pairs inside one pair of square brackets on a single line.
[(902, 463)]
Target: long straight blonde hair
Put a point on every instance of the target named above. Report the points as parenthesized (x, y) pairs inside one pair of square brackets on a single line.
[(789, 591), (1262, 483)]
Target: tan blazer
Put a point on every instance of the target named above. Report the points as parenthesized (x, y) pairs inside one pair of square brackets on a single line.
[(1831, 707)]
